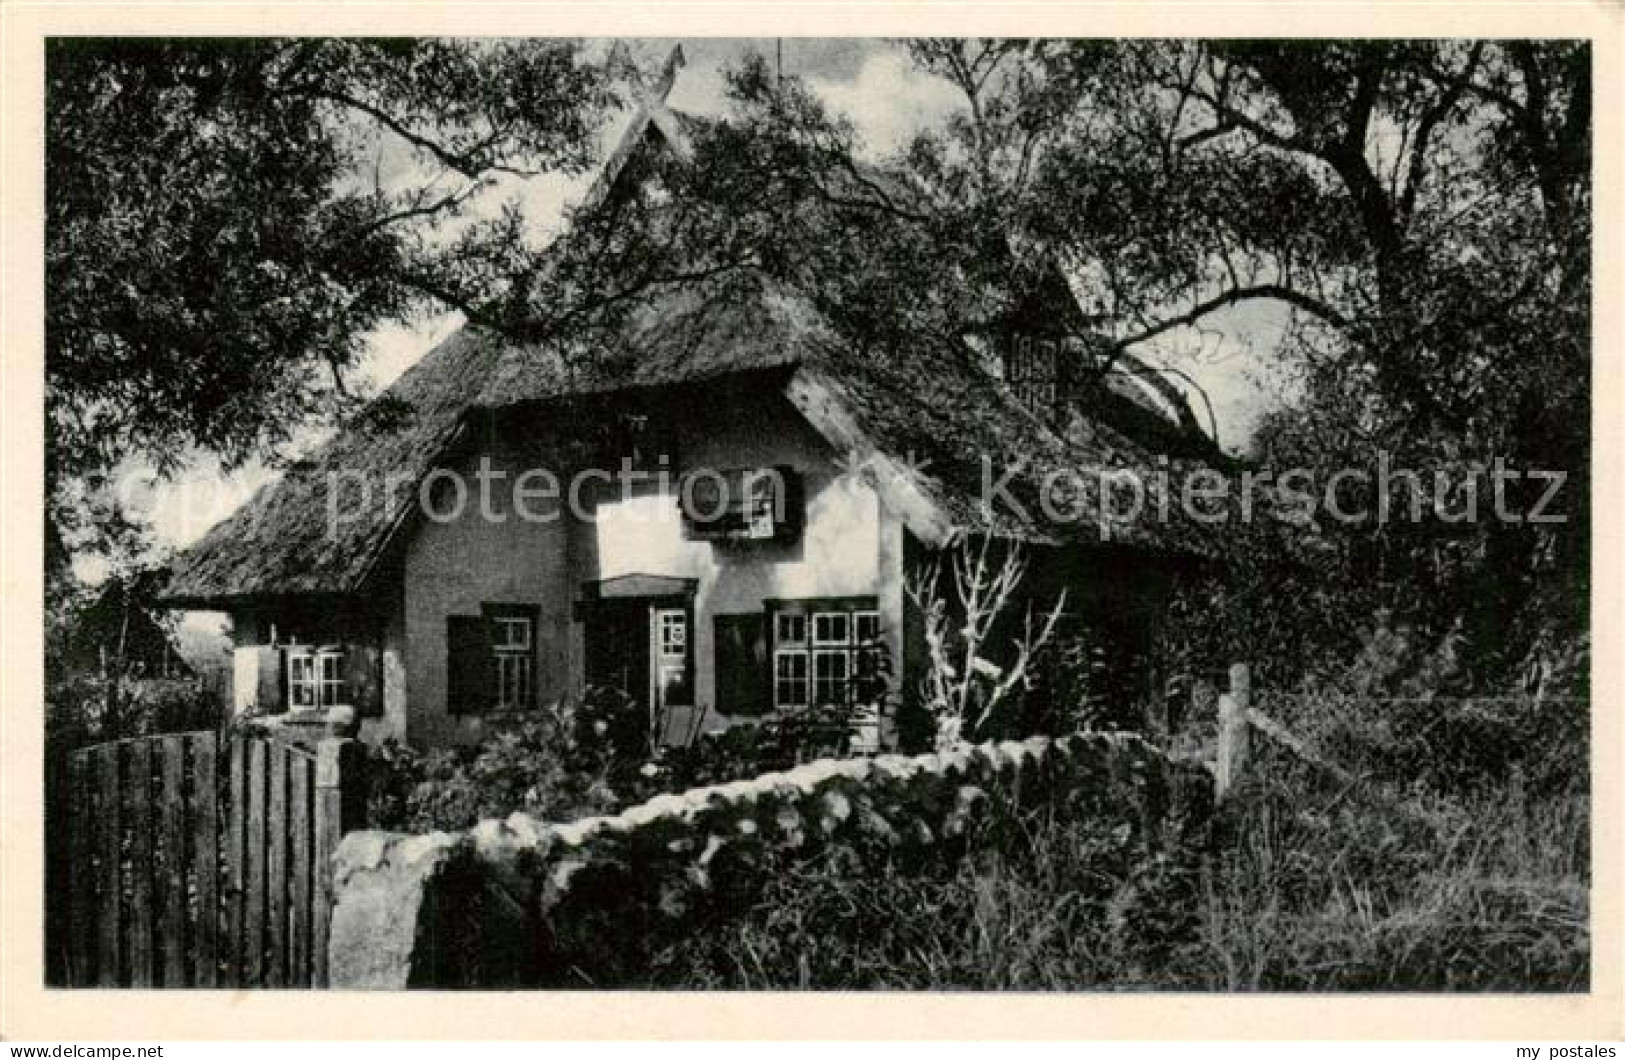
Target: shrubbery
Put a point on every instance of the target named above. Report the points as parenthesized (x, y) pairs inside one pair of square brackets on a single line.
[(1450, 853), (78, 712), (1406, 711), (579, 758), (569, 759), (739, 752)]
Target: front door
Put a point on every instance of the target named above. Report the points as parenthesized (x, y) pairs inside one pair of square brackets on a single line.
[(668, 631), (641, 647), (617, 645)]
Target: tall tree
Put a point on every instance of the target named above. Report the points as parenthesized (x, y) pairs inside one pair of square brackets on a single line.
[(1422, 208), (227, 220), (1436, 251)]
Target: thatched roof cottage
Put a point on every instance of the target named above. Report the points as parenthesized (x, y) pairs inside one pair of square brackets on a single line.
[(720, 515)]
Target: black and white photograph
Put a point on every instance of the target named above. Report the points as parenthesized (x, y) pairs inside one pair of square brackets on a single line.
[(1043, 515)]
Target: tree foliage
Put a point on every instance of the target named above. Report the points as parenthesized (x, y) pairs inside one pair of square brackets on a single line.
[(1421, 208), (222, 234)]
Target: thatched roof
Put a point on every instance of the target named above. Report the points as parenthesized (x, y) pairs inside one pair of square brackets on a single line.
[(279, 542), (921, 423), (930, 417)]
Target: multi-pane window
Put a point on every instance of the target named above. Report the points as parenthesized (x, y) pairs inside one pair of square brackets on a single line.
[(831, 679), (491, 659), (832, 627), (1031, 367), (750, 504), (315, 677), (817, 652), (866, 627), (790, 628), (790, 678), (671, 663), (673, 633), (511, 638), (832, 645), (790, 667)]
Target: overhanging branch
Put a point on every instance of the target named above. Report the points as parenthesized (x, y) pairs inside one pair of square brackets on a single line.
[(1270, 291)]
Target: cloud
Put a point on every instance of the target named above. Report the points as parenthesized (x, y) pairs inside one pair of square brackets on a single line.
[(890, 101)]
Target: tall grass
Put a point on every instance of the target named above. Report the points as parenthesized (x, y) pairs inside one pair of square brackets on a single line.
[(1369, 889), (1304, 885)]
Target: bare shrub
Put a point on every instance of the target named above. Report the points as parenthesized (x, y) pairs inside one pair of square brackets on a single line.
[(966, 685)]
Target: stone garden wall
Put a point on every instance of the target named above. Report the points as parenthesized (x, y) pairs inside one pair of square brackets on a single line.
[(521, 902)]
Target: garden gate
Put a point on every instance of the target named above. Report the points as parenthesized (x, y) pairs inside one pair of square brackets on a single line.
[(202, 860)]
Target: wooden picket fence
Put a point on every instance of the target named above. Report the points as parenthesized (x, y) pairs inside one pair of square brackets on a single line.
[(202, 860)]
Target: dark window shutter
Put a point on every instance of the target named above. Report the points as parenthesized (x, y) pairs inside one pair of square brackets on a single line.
[(361, 678), (271, 697), (742, 664), (469, 677)]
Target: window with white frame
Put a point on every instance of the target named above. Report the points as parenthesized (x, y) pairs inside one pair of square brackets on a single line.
[(673, 632), (818, 650), (790, 668), (315, 677), (511, 640), (831, 679), (1031, 367), (671, 659)]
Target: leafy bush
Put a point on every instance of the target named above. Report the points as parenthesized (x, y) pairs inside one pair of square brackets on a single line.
[(577, 758), (568, 760), (739, 752), (1406, 711)]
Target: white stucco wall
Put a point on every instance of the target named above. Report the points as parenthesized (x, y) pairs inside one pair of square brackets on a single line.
[(451, 568), (850, 546), (842, 551)]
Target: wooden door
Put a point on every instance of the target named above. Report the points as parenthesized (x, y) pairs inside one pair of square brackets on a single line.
[(617, 644)]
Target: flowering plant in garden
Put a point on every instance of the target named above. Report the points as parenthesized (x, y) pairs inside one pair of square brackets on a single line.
[(570, 759)]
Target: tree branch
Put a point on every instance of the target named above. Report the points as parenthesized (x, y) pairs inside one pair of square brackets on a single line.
[(1276, 292), (421, 209), (466, 163), (1430, 121)]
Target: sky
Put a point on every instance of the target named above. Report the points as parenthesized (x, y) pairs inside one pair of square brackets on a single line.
[(874, 85)]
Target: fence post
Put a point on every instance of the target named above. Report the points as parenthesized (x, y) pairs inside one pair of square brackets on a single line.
[(1235, 734), (340, 807)]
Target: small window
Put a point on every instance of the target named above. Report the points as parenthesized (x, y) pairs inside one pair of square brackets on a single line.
[(820, 648), (831, 677), (746, 504), (672, 685), (791, 628), (790, 679), (513, 634), (673, 633), (512, 637), (1031, 367), (832, 628), (315, 677)]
